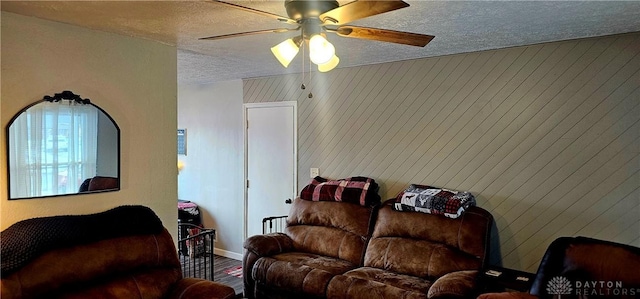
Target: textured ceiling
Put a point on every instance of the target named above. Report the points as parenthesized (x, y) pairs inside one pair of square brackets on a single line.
[(459, 26)]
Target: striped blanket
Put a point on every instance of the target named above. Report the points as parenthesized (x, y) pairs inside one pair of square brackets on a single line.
[(358, 190), (433, 200)]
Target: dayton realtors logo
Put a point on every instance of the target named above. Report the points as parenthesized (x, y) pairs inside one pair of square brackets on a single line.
[(560, 285)]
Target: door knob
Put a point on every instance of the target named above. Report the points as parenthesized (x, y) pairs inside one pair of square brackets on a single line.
[(288, 201)]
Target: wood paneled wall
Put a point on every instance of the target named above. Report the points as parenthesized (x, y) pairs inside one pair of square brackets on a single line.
[(546, 136)]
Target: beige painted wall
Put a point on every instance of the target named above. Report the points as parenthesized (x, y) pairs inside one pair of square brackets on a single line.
[(213, 167), (132, 79), (546, 136)]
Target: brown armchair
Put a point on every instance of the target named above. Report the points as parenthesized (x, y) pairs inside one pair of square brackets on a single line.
[(580, 267), (121, 253), (322, 239)]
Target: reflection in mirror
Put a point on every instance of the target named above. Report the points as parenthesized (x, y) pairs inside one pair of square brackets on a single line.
[(62, 145)]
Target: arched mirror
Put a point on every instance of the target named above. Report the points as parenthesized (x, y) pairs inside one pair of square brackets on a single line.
[(62, 145)]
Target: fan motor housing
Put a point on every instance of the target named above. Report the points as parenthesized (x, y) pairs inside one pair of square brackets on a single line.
[(304, 9)]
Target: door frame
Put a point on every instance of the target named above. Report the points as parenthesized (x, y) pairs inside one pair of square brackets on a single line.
[(245, 110)]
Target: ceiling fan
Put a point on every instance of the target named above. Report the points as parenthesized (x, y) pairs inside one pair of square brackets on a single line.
[(314, 18)]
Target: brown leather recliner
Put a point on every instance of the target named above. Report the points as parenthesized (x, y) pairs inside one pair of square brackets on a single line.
[(418, 255), (99, 183), (121, 253), (322, 239), (581, 267), (331, 250)]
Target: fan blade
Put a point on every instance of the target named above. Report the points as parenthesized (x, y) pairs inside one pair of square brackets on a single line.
[(384, 35), (358, 10), (279, 30), (260, 12)]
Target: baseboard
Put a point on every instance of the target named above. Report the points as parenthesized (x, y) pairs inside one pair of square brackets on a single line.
[(229, 254)]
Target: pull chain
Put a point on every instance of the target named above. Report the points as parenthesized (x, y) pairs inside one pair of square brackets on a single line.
[(310, 94), (302, 86)]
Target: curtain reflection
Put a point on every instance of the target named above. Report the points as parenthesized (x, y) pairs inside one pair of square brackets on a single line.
[(54, 148)]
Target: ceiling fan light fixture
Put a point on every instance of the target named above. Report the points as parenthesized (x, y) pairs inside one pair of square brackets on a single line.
[(331, 64), (314, 18), (321, 50), (286, 51)]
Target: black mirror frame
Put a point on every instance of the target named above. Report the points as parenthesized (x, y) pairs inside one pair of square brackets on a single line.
[(69, 96)]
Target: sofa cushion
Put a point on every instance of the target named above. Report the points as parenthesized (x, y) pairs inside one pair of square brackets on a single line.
[(419, 258), (428, 246), (333, 229), (194, 288), (299, 272), (402, 281), (372, 283), (149, 284), (459, 284)]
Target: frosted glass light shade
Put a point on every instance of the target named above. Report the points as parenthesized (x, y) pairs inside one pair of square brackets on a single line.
[(329, 65), (320, 49), (285, 51)]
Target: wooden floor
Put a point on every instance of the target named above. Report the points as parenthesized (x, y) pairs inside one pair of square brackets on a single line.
[(222, 263), (196, 268)]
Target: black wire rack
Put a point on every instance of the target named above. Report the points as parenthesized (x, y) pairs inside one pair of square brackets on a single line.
[(275, 224), (195, 250)]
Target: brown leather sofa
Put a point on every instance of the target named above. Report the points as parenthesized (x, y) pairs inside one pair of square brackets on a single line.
[(322, 239), (581, 267), (343, 250), (121, 253)]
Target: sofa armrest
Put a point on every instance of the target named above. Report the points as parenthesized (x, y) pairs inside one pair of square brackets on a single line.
[(194, 288), (455, 284), (507, 295), (269, 244), (257, 247)]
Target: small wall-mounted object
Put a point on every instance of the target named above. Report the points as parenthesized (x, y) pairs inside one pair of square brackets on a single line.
[(180, 166), (182, 142), (62, 145)]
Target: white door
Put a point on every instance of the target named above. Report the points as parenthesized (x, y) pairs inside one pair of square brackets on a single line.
[(270, 142)]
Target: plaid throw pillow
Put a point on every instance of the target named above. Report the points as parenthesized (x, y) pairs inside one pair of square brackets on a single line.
[(434, 200)]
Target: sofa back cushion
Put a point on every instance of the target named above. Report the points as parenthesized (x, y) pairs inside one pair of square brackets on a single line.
[(335, 229), (426, 245)]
